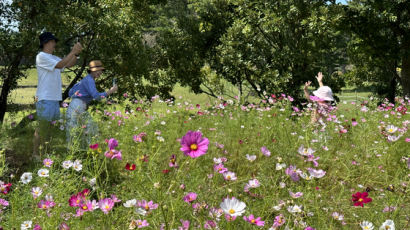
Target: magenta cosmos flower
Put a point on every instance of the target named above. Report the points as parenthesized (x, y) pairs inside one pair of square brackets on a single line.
[(190, 197), (193, 144), (256, 221)]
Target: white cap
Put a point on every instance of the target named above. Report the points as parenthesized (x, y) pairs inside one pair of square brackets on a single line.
[(324, 93)]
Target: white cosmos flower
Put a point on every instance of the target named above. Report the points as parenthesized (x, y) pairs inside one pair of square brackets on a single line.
[(94, 204), (130, 203), (387, 225), (317, 173), (36, 192), (67, 164), (337, 216), (229, 176), (366, 225), (250, 157), (393, 138), (280, 166), (140, 211), (77, 166), (26, 224), (305, 151), (43, 173), (391, 129), (233, 206), (295, 209), (26, 177)]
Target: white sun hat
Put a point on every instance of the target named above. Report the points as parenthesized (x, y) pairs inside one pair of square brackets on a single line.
[(324, 93)]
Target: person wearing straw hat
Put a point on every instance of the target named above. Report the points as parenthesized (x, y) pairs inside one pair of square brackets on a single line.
[(82, 94), (323, 97)]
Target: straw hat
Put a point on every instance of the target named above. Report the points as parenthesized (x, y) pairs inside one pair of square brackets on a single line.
[(96, 65), (324, 93)]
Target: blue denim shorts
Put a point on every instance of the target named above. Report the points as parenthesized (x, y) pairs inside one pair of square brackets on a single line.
[(48, 110)]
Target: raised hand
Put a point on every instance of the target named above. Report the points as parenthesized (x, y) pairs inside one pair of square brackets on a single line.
[(77, 48), (307, 84), (319, 77)]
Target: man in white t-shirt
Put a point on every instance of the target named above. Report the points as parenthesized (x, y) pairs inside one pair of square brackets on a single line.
[(49, 68)]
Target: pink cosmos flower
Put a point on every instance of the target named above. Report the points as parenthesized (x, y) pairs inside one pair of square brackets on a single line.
[(295, 195), (210, 224), (293, 172), (147, 205), (86, 206), (106, 205), (47, 162), (113, 154), (251, 219), (220, 168), (139, 137), (45, 204), (185, 225), (265, 151), (279, 221), (313, 159), (173, 161), (37, 227), (63, 226), (229, 218), (115, 199), (141, 223), (4, 202), (193, 144), (112, 143), (190, 197)]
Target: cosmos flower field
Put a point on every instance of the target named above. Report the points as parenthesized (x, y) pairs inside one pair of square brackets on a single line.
[(161, 164)]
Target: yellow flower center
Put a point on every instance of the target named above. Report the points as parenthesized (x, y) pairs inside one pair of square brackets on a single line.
[(366, 227), (85, 207), (360, 200), (228, 177), (231, 211), (252, 221), (44, 206), (194, 147), (387, 227), (390, 130), (107, 207), (146, 207)]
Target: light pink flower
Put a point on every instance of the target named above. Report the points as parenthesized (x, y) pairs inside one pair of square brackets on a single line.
[(106, 205), (265, 151), (47, 162)]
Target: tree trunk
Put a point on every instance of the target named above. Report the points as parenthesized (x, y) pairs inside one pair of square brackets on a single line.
[(405, 75), (5, 90)]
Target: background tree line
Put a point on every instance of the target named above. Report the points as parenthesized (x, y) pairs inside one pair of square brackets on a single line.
[(257, 46)]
